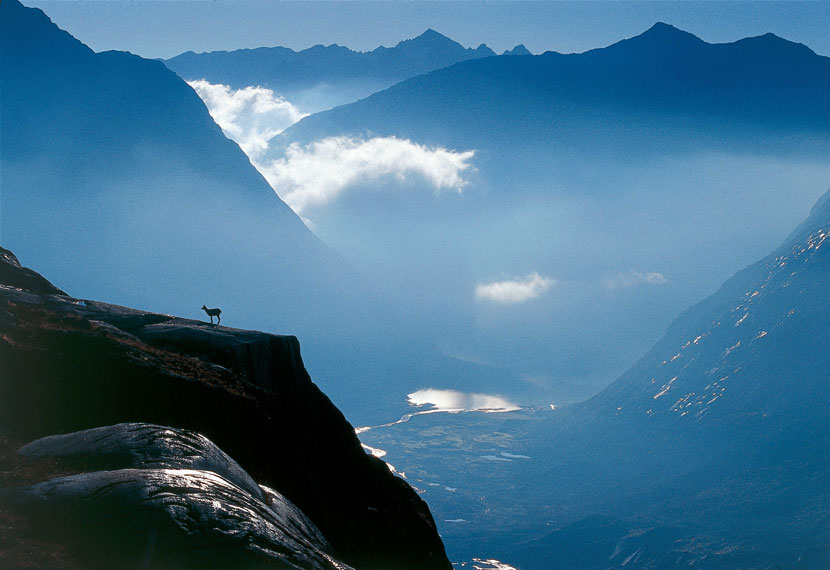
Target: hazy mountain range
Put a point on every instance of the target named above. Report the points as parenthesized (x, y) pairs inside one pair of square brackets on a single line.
[(665, 71), (322, 77), (519, 219), (614, 187)]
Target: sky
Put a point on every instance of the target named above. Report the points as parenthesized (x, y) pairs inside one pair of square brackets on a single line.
[(164, 28)]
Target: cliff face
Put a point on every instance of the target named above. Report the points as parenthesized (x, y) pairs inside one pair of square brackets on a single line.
[(68, 364)]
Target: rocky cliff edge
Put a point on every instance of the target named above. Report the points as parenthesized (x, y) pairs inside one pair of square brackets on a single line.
[(69, 364)]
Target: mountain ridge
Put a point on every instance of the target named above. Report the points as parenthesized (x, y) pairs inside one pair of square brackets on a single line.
[(636, 73), (428, 37), (334, 74)]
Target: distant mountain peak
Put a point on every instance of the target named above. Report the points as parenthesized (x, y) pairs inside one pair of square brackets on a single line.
[(518, 50), (429, 38), (429, 32), (664, 32), (434, 41), (664, 26), (772, 42), (659, 38)]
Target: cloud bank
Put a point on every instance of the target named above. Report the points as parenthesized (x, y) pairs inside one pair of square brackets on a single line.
[(514, 290), (633, 278), (314, 174), (249, 116)]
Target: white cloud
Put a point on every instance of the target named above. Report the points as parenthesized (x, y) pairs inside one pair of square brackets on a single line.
[(313, 174), (633, 278), (514, 290), (249, 116), (316, 173)]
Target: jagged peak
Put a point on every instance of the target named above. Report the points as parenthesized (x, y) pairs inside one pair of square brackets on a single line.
[(517, 50), (15, 275), (663, 27), (429, 37), (769, 37)]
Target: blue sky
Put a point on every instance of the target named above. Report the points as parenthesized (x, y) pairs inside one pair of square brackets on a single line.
[(163, 28)]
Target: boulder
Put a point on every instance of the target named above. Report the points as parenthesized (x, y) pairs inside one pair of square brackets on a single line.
[(142, 446), (169, 518)]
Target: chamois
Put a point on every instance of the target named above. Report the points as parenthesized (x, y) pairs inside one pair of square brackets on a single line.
[(213, 313)]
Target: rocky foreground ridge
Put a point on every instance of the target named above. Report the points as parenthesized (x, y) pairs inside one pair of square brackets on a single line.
[(68, 364)]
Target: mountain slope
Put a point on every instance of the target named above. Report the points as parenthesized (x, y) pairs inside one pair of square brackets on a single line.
[(721, 430), (764, 324), (709, 451)]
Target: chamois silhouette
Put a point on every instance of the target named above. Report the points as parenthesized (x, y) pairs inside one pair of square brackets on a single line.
[(213, 313)]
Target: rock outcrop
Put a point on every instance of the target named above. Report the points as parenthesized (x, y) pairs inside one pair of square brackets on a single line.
[(156, 497), (141, 446), (68, 364)]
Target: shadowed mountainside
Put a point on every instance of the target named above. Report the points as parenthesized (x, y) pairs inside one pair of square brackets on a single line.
[(722, 427), (626, 92)]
